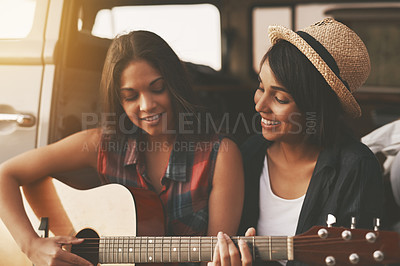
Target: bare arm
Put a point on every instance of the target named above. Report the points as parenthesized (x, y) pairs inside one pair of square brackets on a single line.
[(227, 194), (225, 207), (74, 152)]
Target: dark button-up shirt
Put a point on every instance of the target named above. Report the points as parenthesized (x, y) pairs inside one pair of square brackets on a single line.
[(346, 182)]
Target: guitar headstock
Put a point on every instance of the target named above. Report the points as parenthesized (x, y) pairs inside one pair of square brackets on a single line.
[(341, 246)]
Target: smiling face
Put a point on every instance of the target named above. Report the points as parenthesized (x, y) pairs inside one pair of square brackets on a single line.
[(281, 120), (145, 98)]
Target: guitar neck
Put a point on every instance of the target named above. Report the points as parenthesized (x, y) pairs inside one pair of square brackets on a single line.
[(183, 249)]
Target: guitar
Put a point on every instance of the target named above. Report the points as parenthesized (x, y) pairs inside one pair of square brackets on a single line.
[(109, 218)]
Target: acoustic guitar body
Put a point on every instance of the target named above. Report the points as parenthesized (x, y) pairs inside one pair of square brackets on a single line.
[(109, 210)]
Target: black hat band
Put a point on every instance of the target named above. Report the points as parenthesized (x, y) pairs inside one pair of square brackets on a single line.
[(323, 53)]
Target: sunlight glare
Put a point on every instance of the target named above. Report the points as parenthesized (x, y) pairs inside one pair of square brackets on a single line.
[(197, 40), (16, 18)]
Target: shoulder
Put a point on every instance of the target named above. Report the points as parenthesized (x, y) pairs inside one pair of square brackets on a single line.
[(353, 161), (228, 165), (86, 140), (116, 143), (348, 158), (228, 155), (353, 150), (227, 146), (253, 146), (86, 143), (93, 134), (219, 143)]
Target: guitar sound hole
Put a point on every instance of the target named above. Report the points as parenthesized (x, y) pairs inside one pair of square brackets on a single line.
[(89, 249)]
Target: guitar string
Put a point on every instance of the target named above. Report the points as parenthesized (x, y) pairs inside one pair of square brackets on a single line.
[(94, 245), (206, 246), (248, 240), (263, 248), (203, 238), (259, 241)]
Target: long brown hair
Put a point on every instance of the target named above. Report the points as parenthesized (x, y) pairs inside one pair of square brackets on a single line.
[(148, 46)]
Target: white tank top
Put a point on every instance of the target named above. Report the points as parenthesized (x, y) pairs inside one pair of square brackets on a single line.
[(278, 216)]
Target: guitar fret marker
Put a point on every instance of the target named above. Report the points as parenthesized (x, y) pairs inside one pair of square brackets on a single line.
[(150, 258), (174, 249), (130, 249), (194, 249)]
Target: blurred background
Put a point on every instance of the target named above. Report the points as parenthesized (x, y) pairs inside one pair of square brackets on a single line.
[(52, 53)]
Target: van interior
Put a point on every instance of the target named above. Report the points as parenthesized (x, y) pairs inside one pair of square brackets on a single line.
[(228, 87)]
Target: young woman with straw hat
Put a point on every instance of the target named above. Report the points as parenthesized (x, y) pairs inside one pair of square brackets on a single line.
[(306, 165)]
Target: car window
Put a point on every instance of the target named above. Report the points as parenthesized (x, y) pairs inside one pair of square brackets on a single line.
[(379, 28), (16, 18), (198, 40), (377, 24), (262, 17)]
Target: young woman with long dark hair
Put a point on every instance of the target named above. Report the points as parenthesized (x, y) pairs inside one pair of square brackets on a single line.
[(151, 138)]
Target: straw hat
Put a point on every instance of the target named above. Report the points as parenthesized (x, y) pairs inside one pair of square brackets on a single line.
[(336, 52)]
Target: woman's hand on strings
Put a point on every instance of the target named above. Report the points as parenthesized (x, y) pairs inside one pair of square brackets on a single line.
[(226, 253), (53, 251)]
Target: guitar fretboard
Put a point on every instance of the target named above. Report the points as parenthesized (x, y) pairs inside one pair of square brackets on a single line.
[(185, 249)]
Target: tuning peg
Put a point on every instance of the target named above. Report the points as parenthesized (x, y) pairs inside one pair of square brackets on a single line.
[(330, 261), (377, 224), (371, 237), (346, 235), (353, 223), (323, 233), (331, 219), (378, 256), (354, 258)]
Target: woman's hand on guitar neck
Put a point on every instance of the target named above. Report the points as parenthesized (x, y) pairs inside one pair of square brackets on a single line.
[(226, 252), (51, 251)]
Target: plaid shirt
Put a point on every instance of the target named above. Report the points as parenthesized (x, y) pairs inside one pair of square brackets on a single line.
[(187, 181)]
